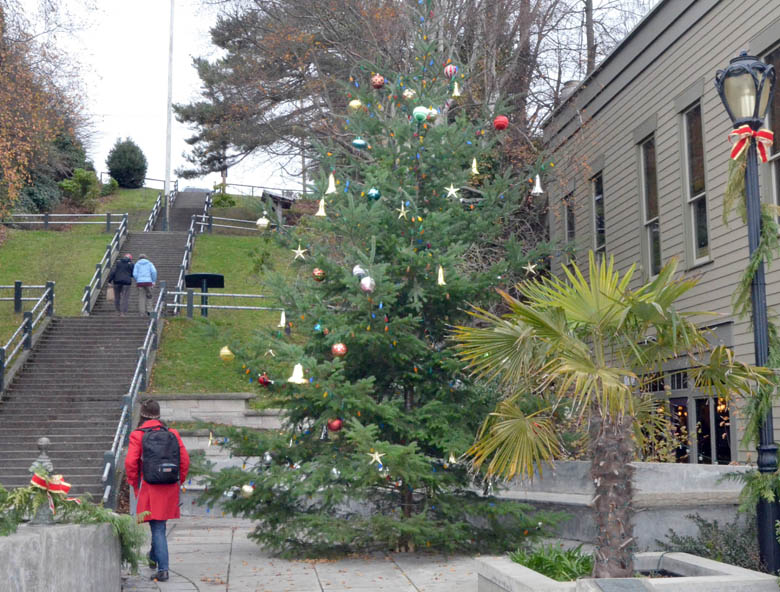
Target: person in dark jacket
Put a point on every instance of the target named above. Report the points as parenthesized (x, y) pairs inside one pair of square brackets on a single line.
[(122, 278), (161, 501)]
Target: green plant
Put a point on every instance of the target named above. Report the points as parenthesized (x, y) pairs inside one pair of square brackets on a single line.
[(82, 188), (19, 504), (555, 562), (735, 542), (110, 187), (127, 164), (221, 198)]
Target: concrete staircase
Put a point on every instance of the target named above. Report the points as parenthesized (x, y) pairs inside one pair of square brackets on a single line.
[(71, 387)]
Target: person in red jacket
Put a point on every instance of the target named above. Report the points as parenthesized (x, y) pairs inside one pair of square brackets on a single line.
[(160, 500)]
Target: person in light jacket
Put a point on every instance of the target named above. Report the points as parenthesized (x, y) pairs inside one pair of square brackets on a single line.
[(121, 278), (161, 501), (145, 275)]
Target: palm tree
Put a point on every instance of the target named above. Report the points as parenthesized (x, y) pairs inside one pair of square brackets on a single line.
[(590, 346)]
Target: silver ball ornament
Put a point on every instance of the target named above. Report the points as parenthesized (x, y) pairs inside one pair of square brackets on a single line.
[(367, 284)]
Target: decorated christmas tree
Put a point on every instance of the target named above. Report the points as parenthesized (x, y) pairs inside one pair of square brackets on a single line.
[(417, 210)]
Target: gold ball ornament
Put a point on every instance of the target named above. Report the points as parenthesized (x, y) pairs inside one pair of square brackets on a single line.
[(247, 491), (409, 94), (226, 355), (339, 350), (355, 104), (318, 274)]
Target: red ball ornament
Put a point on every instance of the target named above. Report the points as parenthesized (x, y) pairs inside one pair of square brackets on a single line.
[(377, 81), (501, 122), (318, 274), (338, 350), (450, 70), (334, 425), (263, 379)]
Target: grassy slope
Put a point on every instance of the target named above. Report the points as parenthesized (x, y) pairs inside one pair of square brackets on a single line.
[(188, 359)]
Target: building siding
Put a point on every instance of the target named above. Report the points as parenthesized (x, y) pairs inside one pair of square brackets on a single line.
[(680, 41)]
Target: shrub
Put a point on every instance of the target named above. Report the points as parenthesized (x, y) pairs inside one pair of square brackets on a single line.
[(110, 187), (555, 562), (733, 542), (40, 196), (82, 188), (127, 164)]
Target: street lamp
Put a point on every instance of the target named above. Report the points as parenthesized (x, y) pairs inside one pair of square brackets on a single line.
[(746, 88)]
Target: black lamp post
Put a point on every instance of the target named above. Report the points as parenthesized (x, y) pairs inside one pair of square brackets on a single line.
[(746, 88)]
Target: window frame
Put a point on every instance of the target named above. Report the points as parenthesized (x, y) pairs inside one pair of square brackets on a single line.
[(569, 232), (647, 223), (774, 151), (596, 197), (691, 239)]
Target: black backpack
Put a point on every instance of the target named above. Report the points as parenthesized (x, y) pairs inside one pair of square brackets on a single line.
[(160, 455)]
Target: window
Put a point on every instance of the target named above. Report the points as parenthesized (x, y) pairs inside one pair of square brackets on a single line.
[(568, 218), (652, 230), (600, 231), (774, 124), (695, 192)]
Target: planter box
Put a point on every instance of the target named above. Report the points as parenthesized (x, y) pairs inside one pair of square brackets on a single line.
[(664, 494), (501, 574)]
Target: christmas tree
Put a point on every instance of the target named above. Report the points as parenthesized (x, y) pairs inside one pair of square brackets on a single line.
[(414, 224)]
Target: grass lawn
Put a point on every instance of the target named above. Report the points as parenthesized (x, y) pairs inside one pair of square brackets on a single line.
[(136, 202), (188, 359)]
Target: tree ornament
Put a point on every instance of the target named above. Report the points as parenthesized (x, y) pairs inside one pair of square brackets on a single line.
[(355, 104), (501, 122), (377, 81), (263, 379), (373, 194), (367, 284), (474, 169), (402, 211), (282, 321), (299, 253), (530, 268), (247, 491), (359, 143), (420, 114), (456, 91), (321, 210), (376, 458), (409, 94), (440, 280), (263, 222), (452, 191), (358, 271), (339, 350), (297, 375), (318, 274), (450, 70), (331, 185), (334, 425), (537, 190), (432, 114), (267, 459), (335, 473), (226, 354)]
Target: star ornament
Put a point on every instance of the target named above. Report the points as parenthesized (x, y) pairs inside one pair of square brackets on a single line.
[(402, 211), (530, 268), (375, 458), (299, 253), (452, 191)]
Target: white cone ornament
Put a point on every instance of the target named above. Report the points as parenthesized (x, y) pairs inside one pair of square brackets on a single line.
[(226, 354), (263, 222), (440, 280), (474, 169), (331, 185), (367, 284), (297, 375), (358, 271), (321, 211), (537, 190), (282, 321), (455, 91)]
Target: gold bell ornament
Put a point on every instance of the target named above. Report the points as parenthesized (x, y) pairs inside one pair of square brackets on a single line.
[(321, 211), (297, 375), (226, 354), (331, 185)]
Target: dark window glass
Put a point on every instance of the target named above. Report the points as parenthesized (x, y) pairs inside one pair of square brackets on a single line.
[(598, 203), (695, 151), (679, 380), (699, 212), (703, 431), (654, 234), (570, 228), (774, 110), (722, 432), (678, 408), (651, 183)]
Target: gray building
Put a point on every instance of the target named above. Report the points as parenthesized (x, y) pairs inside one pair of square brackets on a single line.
[(641, 157)]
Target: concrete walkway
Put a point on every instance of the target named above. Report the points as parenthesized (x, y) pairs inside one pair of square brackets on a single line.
[(214, 554)]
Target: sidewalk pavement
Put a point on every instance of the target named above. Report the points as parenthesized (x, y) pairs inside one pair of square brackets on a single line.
[(214, 554)]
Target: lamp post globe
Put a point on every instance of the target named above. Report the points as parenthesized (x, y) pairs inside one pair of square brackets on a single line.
[(746, 88)]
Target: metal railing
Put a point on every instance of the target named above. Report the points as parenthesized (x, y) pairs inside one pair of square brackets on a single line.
[(189, 303), (258, 190), (154, 214), (175, 183), (103, 268), (138, 385), (185, 264), (207, 223), (18, 295), (47, 220), (22, 337)]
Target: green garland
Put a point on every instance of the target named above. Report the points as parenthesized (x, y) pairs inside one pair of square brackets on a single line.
[(19, 504)]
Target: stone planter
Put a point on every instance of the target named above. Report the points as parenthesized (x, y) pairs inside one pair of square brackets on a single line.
[(501, 574)]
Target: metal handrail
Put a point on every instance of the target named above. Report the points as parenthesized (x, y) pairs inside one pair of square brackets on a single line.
[(185, 262), (153, 215), (137, 384), (101, 269), (286, 193), (25, 331)]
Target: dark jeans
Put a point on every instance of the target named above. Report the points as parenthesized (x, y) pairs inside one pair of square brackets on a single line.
[(159, 552), (121, 297)]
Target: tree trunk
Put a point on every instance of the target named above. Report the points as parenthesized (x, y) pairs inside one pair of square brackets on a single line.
[(612, 449), (590, 38)]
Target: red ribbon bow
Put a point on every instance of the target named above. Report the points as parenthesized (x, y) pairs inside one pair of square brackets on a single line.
[(54, 483), (740, 137)]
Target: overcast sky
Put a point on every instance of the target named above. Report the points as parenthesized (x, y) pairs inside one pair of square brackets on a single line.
[(123, 51)]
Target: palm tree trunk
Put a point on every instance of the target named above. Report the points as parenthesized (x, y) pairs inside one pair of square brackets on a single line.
[(612, 449)]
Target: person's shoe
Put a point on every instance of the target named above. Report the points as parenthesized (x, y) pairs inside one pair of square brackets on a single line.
[(152, 563), (160, 576)]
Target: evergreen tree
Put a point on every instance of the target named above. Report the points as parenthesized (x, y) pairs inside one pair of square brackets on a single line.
[(127, 164), (415, 229)]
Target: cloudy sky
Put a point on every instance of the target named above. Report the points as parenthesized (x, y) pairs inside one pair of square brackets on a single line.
[(123, 51)]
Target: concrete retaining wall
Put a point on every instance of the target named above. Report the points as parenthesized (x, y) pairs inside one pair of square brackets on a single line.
[(223, 408), (61, 557)]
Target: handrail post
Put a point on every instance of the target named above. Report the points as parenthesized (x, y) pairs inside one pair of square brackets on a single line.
[(142, 354), (46, 221), (190, 301), (108, 221), (211, 223), (2, 368), (50, 298), (164, 217), (17, 296), (88, 294), (27, 330), (124, 225)]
